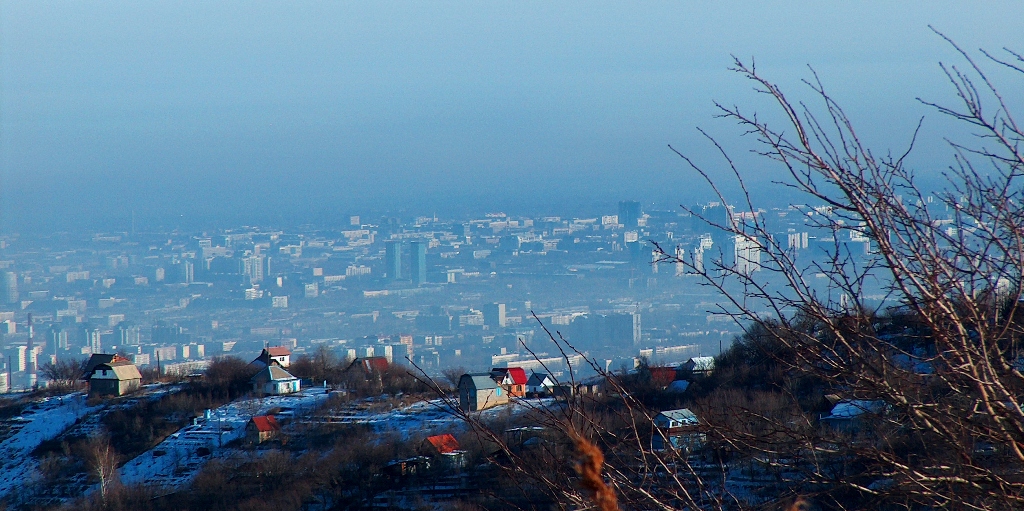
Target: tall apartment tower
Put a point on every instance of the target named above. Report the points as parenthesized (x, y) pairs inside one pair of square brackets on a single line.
[(94, 339), (747, 255), (494, 315), (32, 355), (629, 214), (418, 251), (393, 259), (9, 287)]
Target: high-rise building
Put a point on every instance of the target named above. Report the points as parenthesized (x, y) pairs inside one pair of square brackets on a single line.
[(629, 214), (393, 259), (94, 339), (747, 255), (418, 251), (9, 287), (494, 314), (253, 267), (680, 267), (188, 272), (126, 334), (17, 358)]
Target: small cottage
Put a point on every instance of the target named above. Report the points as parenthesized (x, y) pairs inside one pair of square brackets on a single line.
[(512, 379), (540, 384), (115, 378), (677, 429), (480, 392), (274, 380), (262, 428)]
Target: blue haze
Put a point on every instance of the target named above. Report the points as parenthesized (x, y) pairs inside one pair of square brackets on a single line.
[(213, 112)]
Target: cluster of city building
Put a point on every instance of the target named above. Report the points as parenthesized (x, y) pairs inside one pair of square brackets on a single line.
[(434, 293)]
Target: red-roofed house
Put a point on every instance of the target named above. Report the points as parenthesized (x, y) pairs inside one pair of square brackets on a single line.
[(512, 379), (445, 448), (370, 365), (441, 444), (261, 428)]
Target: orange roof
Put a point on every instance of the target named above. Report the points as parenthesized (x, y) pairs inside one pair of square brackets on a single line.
[(279, 351), (265, 423), (374, 364), (444, 443)]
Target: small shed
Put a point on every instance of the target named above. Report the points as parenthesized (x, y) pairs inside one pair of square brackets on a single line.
[(262, 428), (444, 448), (273, 380), (115, 378), (480, 392)]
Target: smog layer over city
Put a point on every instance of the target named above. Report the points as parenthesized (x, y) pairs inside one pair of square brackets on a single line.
[(300, 255)]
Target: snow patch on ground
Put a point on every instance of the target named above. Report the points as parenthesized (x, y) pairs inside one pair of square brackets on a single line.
[(178, 459), (40, 421)]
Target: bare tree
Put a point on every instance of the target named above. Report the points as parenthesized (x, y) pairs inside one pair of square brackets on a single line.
[(453, 374), (65, 374), (931, 372), (103, 461), (937, 361)]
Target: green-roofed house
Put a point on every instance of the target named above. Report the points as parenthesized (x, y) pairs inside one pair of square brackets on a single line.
[(480, 392)]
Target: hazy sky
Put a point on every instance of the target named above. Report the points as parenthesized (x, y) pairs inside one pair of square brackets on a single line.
[(254, 111)]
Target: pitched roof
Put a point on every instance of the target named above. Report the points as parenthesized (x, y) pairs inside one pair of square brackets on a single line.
[(538, 379), (479, 381), (700, 364), (272, 373), (370, 364), (444, 444), (96, 359), (516, 374), (265, 357), (278, 351), (266, 423), (123, 369), (683, 415), (855, 408)]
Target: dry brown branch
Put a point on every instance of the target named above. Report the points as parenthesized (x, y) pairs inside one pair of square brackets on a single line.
[(589, 468)]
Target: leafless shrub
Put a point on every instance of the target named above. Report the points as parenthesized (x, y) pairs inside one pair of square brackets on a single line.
[(65, 374)]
